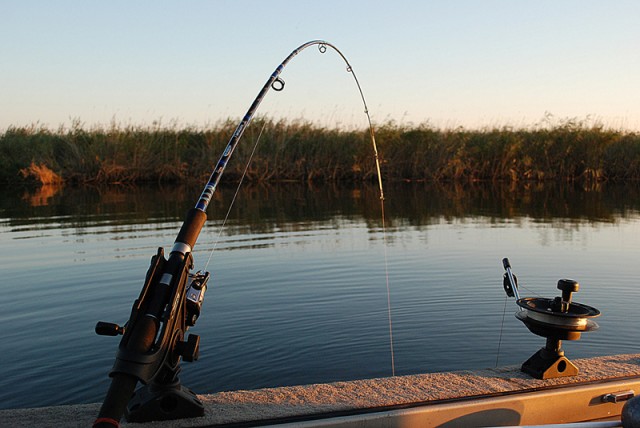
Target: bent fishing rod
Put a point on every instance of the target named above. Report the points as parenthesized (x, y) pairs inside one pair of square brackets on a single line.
[(154, 339)]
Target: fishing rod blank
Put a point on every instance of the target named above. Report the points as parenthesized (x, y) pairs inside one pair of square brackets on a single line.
[(276, 83)]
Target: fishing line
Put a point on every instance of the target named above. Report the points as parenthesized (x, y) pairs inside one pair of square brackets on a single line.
[(518, 285), (323, 49), (235, 195), (530, 290), (276, 83), (382, 214), (504, 311), (386, 273)]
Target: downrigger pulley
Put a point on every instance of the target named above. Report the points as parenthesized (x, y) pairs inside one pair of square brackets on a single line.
[(555, 319)]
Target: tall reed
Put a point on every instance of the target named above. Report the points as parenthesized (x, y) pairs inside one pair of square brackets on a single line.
[(300, 151)]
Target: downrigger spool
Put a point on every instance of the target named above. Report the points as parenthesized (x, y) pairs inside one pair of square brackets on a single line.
[(555, 319)]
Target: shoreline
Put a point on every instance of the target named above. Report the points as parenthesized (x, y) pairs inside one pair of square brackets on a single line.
[(303, 152)]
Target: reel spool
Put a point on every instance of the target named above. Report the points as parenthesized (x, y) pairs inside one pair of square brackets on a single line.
[(555, 319)]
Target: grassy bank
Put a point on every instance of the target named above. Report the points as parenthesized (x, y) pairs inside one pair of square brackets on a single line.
[(302, 151)]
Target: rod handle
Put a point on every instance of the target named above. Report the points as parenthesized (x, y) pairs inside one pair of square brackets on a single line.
[(191, 227), (115, 402), (506, 264)]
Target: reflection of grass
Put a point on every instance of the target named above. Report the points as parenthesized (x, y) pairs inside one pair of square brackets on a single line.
[(301, 151)]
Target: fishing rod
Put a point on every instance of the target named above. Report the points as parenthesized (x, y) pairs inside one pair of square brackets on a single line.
[(154, 339), (277, 84)]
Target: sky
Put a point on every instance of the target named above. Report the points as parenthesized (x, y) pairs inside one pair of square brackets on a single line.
[(476, 64)]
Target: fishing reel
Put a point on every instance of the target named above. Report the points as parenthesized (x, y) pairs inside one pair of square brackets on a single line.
[(555, 319), (197, 285)]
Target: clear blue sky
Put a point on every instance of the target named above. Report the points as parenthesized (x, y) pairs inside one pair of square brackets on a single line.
[(449, 63)]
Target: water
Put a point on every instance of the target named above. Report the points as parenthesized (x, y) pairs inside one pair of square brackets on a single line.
[(298, 293)]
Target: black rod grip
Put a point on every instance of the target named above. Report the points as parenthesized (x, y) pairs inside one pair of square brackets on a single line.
[(191, 227), (120, 391), (506, 264)]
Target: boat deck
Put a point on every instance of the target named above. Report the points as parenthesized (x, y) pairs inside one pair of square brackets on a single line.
[(499, 397)]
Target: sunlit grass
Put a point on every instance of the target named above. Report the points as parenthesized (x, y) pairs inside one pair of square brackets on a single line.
[(300, 150)]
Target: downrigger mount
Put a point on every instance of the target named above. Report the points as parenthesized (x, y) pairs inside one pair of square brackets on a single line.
[(555, 319)]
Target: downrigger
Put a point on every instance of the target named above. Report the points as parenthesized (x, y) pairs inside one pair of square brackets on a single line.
[(556, 320)]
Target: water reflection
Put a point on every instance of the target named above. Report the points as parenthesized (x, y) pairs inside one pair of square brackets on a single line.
[(298, 291), (259, 207), (544, 202)]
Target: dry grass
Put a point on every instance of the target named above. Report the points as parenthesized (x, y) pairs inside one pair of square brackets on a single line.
[(301, 151), (41, 174)]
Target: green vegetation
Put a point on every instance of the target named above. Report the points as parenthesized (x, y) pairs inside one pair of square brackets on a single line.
[(301, 151)]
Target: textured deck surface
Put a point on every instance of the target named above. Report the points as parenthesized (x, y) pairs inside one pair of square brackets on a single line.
[(343, 397)]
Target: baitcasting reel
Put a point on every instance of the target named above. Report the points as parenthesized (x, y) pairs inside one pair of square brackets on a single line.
[(556, 319)]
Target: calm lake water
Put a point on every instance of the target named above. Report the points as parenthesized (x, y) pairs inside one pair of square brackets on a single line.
[(299, 293)]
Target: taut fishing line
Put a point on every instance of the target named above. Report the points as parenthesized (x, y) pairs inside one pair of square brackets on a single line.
[(504, 311), (276, 83)]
